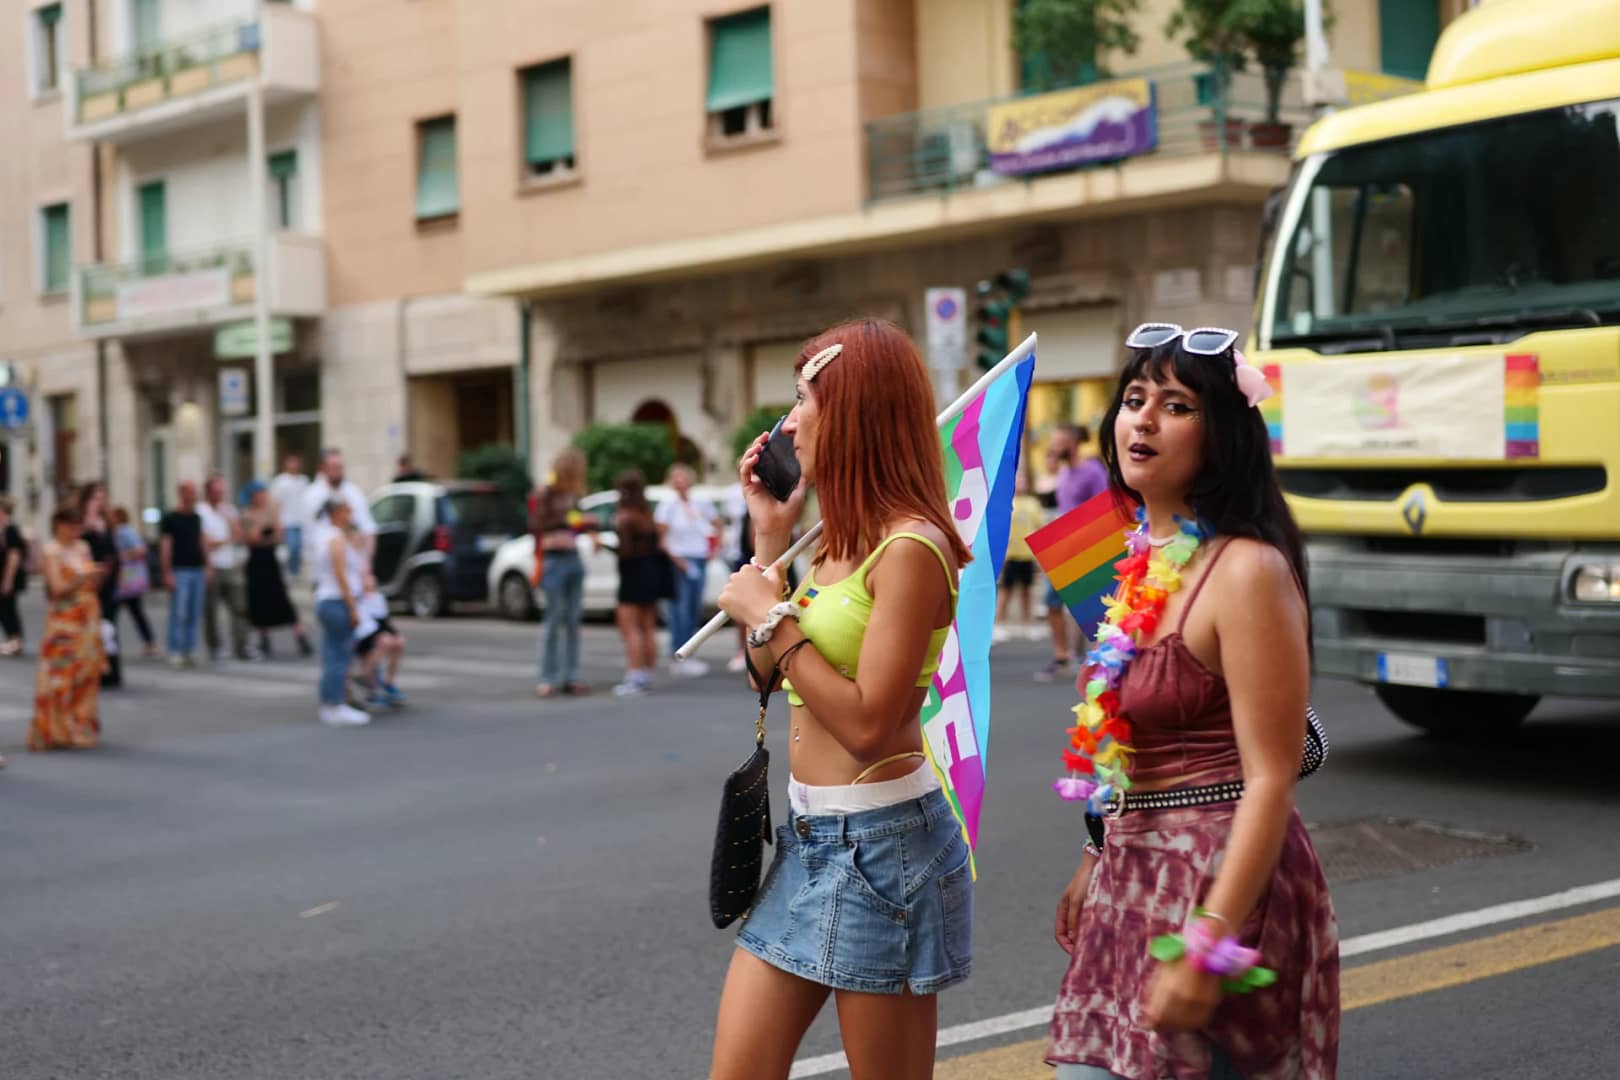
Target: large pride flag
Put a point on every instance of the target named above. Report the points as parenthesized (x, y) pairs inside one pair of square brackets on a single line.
[(1077, 552), (981, 461)]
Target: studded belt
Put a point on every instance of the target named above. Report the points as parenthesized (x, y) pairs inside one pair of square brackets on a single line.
[(1205, 795)]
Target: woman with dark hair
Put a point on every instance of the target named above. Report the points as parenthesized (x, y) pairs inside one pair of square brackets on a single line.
[(645, 577), (870, 897), (1186, 750), (67, 689), (268, 605), (96, 530)]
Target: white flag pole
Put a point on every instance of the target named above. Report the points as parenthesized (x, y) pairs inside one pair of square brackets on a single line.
[(952, 411)]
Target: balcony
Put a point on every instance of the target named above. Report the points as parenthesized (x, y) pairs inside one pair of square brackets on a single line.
[(165, 295), (1186, 118), (196, 79)]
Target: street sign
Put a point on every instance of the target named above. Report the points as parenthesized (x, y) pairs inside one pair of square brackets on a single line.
[(13, 408), (947, 328), (240, 341), (233, 392)]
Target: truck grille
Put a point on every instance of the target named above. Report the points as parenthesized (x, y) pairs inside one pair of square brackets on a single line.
[(1513, 483), (1420, 626)]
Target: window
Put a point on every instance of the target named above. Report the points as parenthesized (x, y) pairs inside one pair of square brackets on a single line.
[(152, 214), (740, 84), (46, 39), (436, 192), (1407, 30), (148, 28), (394, 510), (548, 119), (283, 169), (56, 249)]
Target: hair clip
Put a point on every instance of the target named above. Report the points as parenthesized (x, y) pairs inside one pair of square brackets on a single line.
[(812, 367)]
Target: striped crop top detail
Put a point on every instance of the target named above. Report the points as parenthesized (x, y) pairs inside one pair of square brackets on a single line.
[(834, 617)]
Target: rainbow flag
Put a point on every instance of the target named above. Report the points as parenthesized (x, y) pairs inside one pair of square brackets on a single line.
[(1077, 552), (981, 461), (1521, 406)]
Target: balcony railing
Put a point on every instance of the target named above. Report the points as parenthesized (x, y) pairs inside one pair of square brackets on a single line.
[(164, 285), (221, 54), (937, 151)]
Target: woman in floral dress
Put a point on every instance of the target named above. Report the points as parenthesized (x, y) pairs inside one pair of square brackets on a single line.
[(66, 692)]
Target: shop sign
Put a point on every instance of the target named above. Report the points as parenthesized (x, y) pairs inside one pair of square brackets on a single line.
[(240, 341), (1102, 122)]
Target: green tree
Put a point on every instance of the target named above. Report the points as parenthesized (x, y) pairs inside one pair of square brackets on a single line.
[(763, 418), (1061, 41), (498, 463), (1272, 30), (610, 449)]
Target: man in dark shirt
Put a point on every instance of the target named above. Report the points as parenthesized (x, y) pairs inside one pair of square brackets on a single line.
[(185, 573)]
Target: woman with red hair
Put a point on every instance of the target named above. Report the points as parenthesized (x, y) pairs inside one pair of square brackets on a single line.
[(870, 897)]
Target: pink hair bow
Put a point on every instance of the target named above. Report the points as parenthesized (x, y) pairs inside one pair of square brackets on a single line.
[(1251, 380)]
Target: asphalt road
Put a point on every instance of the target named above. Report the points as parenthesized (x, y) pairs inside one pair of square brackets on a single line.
[(488, 886)]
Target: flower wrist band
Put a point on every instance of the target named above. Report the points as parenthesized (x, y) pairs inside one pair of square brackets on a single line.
[(1237, 966)]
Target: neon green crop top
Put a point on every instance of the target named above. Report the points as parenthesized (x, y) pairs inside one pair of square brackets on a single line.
[(834, 617)]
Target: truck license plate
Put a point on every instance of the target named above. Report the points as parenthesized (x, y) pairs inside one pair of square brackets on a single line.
[(1405, 669)]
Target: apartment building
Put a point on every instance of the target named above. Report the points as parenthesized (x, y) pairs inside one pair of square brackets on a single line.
[(485, 222), (47, 227)]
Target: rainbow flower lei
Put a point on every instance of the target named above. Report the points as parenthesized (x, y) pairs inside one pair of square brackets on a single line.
[(1098, 761)]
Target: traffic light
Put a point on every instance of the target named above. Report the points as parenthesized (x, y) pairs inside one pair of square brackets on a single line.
[(997, 299)]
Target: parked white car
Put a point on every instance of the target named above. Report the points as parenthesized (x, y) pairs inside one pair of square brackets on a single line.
[(513, 565)]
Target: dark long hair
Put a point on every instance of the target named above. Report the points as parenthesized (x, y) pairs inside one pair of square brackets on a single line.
[(1236, 491)]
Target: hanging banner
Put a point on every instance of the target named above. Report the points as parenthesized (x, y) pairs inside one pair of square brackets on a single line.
[(1102, 122)]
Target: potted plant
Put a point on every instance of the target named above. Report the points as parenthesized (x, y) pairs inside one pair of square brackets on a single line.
[(1060, 42), (1213, 34), (1272, 31)]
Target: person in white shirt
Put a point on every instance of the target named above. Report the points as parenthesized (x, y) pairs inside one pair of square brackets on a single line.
[(688, 530), (329, 481), (287, 492), (224, 582)]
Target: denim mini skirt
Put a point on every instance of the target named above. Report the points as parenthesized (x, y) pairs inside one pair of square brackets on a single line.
[(879, 901)]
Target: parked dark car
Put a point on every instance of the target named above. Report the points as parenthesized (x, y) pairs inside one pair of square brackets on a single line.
[(435, 540)]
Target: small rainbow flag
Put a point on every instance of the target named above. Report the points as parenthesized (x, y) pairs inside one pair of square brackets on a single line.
[(1521, 412), (1077, 553), (1271, 409)]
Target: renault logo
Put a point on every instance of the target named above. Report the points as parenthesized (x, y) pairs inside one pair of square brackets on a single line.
[(1415, 511)]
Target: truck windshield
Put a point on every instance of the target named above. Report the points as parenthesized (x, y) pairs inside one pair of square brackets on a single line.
[(1470, 233)]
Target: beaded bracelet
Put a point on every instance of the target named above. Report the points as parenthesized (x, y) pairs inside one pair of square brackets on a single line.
[(1237, 965)]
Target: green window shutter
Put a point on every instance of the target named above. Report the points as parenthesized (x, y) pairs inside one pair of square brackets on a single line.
[(283, 166), (154, 214), (548, 113), (740, 60), (436, 192), (1407, 30), (58, 248), (50, 14), (147, 34)]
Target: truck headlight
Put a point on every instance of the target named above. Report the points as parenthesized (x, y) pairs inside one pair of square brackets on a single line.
[(1595, 583)]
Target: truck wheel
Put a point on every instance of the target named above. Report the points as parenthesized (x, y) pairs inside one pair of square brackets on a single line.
[(1457, 714), (515, 598), (426, 595)]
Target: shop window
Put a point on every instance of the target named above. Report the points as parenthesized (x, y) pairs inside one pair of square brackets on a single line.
[(548, 120), (741, 86), (437, 193), (301, 391)]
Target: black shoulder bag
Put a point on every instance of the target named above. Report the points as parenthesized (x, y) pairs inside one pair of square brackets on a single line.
[(745, 823)]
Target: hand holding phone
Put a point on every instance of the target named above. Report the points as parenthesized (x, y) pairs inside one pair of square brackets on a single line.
[(778, 466)]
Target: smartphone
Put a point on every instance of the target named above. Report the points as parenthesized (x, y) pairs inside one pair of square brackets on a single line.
[(778, 466)]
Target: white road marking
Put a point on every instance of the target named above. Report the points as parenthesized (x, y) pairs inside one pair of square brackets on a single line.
[(318, 909), (1356, 946)]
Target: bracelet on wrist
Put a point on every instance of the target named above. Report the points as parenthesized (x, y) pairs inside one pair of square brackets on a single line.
[(1237, 966), (1093, 850), (760, 635)]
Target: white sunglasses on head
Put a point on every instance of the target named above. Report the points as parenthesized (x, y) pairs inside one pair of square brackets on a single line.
[(1200, 341)]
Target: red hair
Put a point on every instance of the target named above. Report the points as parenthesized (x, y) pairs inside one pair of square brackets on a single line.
[(878, 456)]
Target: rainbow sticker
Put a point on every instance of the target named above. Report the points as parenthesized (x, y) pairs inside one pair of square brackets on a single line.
[(1521, 406), (1271, 409)]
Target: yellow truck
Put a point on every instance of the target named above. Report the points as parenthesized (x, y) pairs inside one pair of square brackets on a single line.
[(1440, 311)]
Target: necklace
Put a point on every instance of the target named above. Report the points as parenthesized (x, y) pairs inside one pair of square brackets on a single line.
[(1098, 760)]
